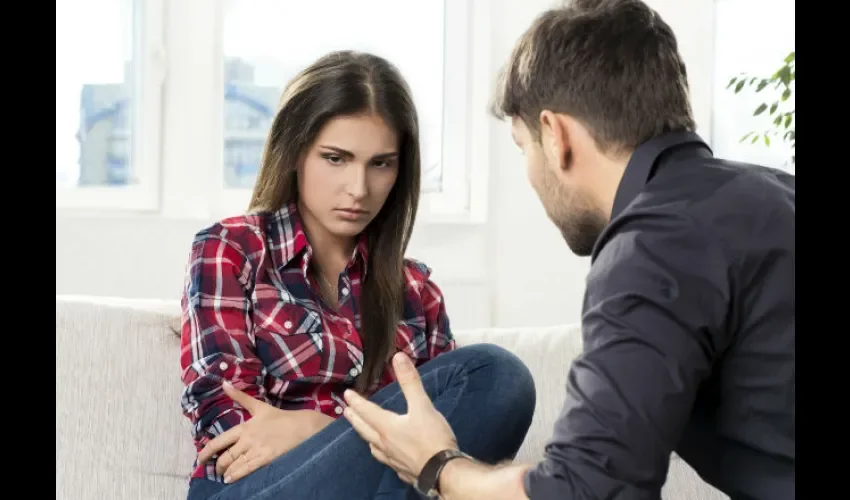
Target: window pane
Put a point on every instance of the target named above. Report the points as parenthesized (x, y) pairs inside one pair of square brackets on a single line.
[(266, 42), (752, 37), (94, 54)]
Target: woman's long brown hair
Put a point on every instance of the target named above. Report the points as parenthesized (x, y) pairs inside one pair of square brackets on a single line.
[(343, 84)]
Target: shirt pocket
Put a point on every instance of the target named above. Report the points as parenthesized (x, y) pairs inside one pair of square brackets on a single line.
[(289, 339)]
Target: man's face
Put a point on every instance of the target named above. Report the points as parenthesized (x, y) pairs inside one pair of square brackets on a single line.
[(565, 198)]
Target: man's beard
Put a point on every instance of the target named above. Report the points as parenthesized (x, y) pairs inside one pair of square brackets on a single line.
[(574, 214)]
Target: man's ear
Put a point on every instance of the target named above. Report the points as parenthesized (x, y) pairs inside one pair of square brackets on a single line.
[(555, 139)]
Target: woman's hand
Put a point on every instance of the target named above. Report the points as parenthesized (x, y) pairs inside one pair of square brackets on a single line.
[(269, 433)]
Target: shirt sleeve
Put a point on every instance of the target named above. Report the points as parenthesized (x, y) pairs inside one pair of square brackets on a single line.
[(216, 337), (440, 339), (653, 322)]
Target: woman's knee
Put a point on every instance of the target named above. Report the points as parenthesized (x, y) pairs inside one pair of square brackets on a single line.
[(510, 377)]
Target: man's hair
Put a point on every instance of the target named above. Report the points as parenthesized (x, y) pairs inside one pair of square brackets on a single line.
[(613, 65)]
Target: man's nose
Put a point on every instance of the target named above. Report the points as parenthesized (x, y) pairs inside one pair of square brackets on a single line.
[(356, 182)]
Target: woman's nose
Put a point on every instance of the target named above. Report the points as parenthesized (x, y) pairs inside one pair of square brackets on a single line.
[(356, 182)]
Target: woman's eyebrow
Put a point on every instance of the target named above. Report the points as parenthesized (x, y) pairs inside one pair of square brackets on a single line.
[(348, 154)]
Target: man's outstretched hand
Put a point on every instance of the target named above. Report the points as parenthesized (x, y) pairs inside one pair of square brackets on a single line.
[(402, 442)]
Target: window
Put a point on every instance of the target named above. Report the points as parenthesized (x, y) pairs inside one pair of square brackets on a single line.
[(226, 63), (107, 94), (431, 53), (752, 37)]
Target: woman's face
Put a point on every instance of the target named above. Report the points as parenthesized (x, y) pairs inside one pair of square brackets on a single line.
[(347, 173)]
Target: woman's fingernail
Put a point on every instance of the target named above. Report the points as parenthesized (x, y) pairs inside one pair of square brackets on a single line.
[(227, 480)]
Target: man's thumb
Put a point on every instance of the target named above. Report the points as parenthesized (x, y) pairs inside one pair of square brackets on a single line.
[(411, 385)]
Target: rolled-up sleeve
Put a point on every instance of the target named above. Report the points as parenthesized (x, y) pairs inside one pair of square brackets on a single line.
[(215, 341), (656, 302)]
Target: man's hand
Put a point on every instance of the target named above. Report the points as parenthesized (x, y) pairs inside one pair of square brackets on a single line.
[(270, 433), (402, 442)]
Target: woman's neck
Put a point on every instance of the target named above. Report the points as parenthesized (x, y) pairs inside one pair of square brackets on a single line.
[(330, 253)]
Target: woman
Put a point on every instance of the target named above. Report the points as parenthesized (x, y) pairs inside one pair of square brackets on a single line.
[(310, 294)]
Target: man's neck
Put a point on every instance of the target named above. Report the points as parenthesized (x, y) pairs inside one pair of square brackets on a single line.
[(610, 174)]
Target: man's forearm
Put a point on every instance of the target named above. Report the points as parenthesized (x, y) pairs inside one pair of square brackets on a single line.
[(463, 479)]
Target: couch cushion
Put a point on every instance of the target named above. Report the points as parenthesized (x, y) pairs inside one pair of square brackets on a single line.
[(119, 431)]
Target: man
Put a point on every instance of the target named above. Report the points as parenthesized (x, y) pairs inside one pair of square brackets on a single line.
[(688, 319)]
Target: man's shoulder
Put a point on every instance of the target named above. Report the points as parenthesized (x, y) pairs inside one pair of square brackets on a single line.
[(703, 185), (729, 200)]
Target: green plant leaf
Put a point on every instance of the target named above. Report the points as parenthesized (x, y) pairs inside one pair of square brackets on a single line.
[(787, 120), (789, 58), (739, 86), (778, 120), (762, 84), (766, 140), (732, 81), (755, 138), (759, 110), (784, 75), (773, 108), (786, 94)]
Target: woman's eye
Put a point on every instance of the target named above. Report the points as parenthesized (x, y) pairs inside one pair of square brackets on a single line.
[(383, 163), (333, 159)]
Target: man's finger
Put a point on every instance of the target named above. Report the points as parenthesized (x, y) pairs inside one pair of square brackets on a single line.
[(245, 401), (369, 412), (379, 455), (411, 385), (218, 443), (369, 434)]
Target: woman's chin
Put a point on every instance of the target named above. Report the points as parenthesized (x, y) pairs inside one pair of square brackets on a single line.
[(346, 228)]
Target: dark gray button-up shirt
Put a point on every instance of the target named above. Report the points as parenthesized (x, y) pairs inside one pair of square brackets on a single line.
[(688, 326)]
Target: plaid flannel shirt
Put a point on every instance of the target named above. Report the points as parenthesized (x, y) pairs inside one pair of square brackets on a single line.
[(252, 316)]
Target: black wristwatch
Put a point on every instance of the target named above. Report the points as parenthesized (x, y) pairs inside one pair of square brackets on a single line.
[(427, 483)]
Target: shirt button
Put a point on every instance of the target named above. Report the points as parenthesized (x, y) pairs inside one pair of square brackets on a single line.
[(287, 324), (222, 366), (338, 410), (353, 372), (344, 291)]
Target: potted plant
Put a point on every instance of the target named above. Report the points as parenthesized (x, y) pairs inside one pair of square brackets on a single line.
[(779, 111)]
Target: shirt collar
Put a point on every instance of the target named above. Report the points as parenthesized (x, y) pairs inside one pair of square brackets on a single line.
[(643, 162), (288, 241)]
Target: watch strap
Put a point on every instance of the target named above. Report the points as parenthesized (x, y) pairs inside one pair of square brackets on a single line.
[(429, 478)]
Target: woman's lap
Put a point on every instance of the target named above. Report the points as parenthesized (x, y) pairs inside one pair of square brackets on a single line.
[(337, 463)]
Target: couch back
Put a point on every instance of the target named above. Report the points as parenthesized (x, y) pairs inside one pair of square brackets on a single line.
[(119, 430)]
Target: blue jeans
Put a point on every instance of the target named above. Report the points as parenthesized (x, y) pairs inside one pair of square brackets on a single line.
[(485, 392)]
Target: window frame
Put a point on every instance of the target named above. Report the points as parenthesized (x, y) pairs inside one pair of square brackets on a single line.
[(148, 81), (180, 161), (721, 94), (466, 84)]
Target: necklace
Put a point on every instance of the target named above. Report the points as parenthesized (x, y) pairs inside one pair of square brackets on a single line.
[(331, 290)]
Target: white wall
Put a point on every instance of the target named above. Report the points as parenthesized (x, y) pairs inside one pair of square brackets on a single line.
[(513, 270)]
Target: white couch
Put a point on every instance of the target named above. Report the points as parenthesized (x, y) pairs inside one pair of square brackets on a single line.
[(120, 433)]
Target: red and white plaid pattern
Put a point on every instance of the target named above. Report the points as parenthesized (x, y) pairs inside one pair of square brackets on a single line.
[(253, 317)]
